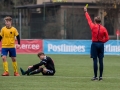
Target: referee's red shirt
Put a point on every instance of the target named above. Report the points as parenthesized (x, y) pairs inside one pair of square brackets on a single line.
[(99, 32)]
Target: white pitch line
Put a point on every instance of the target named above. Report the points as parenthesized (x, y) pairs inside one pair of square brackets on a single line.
[(60, 77), (84, 77)]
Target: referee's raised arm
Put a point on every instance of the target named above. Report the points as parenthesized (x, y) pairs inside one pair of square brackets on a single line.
[(91, 24)]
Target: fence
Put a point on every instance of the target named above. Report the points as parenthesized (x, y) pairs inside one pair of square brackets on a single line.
[(56, 22), (62, 23)]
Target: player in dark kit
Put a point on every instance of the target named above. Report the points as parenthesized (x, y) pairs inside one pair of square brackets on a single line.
[(48, 69), (99, 37)]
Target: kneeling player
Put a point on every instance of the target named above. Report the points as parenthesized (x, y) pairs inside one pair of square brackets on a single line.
[(48, 69)]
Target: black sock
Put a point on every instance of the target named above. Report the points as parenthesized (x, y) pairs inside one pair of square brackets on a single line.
[(101, 66), (29, 70), (36, 71), (95, 66)]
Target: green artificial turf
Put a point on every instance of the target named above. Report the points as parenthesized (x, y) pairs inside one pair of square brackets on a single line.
[(73, 72)]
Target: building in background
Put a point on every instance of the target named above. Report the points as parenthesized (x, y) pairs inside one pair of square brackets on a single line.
[(56, 19)]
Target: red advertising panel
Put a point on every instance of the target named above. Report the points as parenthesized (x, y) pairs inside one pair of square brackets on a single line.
[(30, 46)]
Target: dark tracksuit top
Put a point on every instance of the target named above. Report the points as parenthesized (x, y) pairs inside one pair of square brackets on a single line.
[(99, 33), (47, 62)]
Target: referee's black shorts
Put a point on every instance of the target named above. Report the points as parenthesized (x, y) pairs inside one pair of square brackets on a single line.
[(97, 50)]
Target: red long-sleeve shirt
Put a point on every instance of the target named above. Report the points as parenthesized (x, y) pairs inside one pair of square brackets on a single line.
[(99, 32)]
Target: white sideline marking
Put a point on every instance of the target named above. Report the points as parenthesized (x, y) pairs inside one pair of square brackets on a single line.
[(83, 77), (59, 77)]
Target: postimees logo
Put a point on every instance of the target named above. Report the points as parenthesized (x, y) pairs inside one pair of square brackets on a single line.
[(66, 48)]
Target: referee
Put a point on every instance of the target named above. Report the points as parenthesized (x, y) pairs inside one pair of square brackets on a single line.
[(99, 37)]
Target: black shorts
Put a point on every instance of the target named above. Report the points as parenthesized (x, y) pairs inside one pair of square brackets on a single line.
[(49, 72), (97, 50)]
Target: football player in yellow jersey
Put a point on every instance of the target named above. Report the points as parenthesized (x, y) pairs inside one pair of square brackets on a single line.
[(8, 34)]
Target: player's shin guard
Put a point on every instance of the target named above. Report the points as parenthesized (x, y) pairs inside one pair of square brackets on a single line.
[(15, 66), (36, 71), (5, 66)]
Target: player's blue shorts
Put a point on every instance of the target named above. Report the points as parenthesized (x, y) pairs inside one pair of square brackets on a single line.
[(97, 50), (11, 51)]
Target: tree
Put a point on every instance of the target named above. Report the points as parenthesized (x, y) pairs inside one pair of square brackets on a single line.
[(8, 3), (25, 2), (111, 13)]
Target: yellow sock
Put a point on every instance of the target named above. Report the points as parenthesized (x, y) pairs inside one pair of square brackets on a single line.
[(15, 66), (5, 66)]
